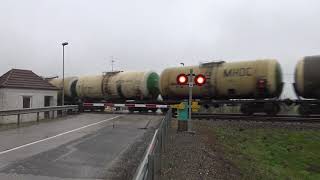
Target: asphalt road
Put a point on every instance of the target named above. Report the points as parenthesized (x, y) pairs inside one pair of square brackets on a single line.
[(86, 146)]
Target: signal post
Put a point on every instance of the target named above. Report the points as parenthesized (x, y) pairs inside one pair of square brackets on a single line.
[(185, 108)]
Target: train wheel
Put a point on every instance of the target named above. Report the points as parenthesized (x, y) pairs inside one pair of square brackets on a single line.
[(248, 112), (272, 109), (245, 109), (164, 111), (154, 110), (304, 110), (206, 106)]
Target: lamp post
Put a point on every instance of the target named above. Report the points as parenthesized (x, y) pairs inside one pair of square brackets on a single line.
[(63, 44)]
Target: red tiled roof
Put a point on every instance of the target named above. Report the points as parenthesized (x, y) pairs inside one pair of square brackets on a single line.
[(18, 78)]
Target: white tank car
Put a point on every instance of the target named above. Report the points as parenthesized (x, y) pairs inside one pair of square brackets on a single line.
[(119, 85), (90, 86), (69, 85)]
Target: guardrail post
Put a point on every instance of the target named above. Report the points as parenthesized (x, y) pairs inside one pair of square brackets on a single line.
[(159, 141), (157, 166), (150, 167), (165, 136), (38, 118), (18, 123), (162, 139)]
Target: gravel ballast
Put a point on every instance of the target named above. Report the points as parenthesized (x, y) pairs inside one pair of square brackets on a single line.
[(195, 156)]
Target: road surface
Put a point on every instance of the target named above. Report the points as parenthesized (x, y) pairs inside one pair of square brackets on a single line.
[(85, 146)]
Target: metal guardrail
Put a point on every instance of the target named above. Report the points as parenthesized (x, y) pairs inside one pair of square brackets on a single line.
[(150, 167), (18, 112)]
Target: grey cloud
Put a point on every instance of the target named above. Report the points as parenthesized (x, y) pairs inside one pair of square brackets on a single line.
[(146, 34)]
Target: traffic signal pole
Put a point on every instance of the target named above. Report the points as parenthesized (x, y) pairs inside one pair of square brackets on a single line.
[(185, 108), (190, 98)]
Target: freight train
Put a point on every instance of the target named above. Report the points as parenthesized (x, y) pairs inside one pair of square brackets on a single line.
[(254, 85), (92, 90)]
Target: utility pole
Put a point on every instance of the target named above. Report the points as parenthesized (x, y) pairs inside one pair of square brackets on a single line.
[(112, 61), (190, 98)]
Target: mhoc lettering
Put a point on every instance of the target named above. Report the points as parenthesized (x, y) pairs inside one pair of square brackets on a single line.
[(237, 72)]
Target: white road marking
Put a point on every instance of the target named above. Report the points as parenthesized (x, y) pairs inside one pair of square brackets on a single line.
[(61, 134)]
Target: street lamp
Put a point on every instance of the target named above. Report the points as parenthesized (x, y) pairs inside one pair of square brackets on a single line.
[(63, 44)]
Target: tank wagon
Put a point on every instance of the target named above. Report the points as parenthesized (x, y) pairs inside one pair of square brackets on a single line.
[(256, 85), (119, 85), (69, 87), (307, 85), (111, 86)]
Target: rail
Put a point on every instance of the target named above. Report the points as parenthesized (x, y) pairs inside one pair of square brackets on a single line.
[(18, 112), (149, 168), (258, 117)]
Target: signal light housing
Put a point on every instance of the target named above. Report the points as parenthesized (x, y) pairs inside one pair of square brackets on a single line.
[(182, 79), (200, 80)]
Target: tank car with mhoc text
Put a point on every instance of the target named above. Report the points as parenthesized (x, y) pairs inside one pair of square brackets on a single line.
[(255, 85)]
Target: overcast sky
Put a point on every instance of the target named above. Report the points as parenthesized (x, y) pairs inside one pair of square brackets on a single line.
[(152, 35)]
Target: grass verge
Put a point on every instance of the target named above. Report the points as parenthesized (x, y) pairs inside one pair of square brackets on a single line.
[(272, 153)]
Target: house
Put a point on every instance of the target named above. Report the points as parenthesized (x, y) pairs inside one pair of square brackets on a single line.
[(24, 89)]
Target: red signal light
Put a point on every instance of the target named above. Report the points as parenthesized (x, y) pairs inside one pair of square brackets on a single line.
[(200, 80), (182, 79)]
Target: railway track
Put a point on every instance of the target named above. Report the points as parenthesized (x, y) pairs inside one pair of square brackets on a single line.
[(236, 117), (258, 117)]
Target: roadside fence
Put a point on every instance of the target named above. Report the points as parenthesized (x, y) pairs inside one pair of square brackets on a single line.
[(150, 167)]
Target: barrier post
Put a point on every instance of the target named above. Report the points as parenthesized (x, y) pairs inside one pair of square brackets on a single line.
[(38, 118), (18, 123)]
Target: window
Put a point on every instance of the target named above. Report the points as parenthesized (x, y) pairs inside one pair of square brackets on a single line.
[(48, 100), (26, 101)]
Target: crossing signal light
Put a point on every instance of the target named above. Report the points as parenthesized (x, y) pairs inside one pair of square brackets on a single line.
[(200, 80), (182, 79)]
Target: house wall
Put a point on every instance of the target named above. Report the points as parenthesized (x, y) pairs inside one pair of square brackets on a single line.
[(13, 99)]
